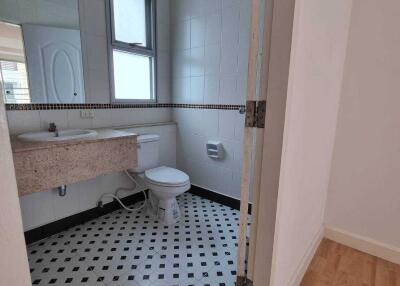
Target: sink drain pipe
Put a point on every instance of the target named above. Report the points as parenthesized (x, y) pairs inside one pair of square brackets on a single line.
[(62, 190)]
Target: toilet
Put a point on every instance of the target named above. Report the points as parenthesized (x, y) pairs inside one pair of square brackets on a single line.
[(164, 183)]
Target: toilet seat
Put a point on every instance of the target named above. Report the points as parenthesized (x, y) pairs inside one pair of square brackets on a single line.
[(166, 176)]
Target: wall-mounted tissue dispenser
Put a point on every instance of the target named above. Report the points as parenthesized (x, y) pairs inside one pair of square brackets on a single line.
[(215, 149)]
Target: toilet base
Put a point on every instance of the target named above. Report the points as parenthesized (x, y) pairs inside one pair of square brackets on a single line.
[(165, 210)]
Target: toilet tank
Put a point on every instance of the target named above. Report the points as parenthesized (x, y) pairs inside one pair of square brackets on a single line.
[(147, 152)]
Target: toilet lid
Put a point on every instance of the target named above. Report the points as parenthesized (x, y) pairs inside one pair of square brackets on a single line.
[(166, 176)]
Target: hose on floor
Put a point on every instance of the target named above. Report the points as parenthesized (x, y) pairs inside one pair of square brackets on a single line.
[(118, 199)]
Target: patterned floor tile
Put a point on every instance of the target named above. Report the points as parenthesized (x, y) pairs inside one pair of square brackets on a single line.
[(126, 248)]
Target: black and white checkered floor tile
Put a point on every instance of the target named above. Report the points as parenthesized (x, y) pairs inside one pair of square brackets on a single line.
[(125, 248)]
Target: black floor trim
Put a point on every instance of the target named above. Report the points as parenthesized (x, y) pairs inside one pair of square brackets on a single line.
[(217, 197), (58, 226)]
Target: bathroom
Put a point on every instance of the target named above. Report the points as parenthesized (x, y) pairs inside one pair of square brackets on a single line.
[(184, 89), (199, 142)]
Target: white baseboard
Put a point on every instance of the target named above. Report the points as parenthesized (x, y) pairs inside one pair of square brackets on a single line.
[(306, 260), (364, 244)]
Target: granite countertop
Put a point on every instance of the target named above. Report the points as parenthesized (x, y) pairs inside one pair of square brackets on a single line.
[(103, 134)]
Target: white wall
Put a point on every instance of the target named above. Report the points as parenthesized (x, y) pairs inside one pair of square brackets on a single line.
[(209, 49), (364, 198), (63, 14), (14, 268), (318, 53)]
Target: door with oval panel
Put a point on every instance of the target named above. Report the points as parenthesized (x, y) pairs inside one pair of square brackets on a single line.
[(54, 63)]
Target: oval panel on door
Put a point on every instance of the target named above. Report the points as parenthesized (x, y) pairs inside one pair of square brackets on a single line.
[(54, 64), (61, 74)]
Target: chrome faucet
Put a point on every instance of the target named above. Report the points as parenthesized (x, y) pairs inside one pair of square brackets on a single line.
[(53, 128)]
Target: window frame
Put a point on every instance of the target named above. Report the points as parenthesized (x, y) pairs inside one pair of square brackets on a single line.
[(150, 51)]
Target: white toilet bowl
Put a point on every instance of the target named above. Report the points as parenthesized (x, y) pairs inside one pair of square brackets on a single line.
[(165, 184)]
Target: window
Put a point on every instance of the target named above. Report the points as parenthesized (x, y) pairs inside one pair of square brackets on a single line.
[(132, 50), (14, 80)]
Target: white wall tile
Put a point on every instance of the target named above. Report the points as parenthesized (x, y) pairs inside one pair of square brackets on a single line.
[(59, 117), (191, 146), (181, 61), (239, 126), (213, 29), (228, 89), (230, 26), (168, 148), (93, 17), (235, 186), (227, 123), (181, 35), (36, 209), (229, 3), (132, 116), (241, 89), (98, 81), (245, 17), (180, 10), (197, 90), (163, 12), (196, 8), (211, 89), (23, 121), (122, 117), (212, 6), (197, 61), (208, 120), (225, 54), (164, 90), (181, 90), (212, 59), (243, 56), (163, 36), (102, 118), (163, 64), (197, 32), (229, 60), (224, 181), (238, 155), (97, 52)]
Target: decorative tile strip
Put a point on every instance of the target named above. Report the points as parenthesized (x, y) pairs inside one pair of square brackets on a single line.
[(40, 106)]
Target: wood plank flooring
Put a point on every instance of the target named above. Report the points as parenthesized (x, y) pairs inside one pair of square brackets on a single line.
[(338, 265)]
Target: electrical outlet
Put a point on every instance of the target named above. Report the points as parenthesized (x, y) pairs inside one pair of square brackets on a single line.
[(87, 113)]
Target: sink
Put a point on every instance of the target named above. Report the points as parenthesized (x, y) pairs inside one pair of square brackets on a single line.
[(63, 135)]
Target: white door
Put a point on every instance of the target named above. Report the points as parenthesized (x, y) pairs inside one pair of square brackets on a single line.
[(54, 62)]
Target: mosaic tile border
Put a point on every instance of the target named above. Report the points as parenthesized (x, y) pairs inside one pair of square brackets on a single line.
[(22, 107)]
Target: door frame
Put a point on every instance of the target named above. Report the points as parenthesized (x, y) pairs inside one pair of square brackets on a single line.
[(14, 260), (265, 145)]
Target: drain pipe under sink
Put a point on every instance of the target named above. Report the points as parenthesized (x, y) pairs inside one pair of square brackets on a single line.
[(62, 190)]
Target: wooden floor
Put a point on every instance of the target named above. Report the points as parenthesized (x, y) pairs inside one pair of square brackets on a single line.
[(337, 265)]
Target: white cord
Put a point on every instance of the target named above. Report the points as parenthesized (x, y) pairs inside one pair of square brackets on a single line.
[(115, 195)]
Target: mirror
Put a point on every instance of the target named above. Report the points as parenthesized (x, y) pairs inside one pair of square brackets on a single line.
[(40, 52)]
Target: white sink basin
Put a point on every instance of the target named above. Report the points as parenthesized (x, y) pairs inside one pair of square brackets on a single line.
[(64, 135)]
